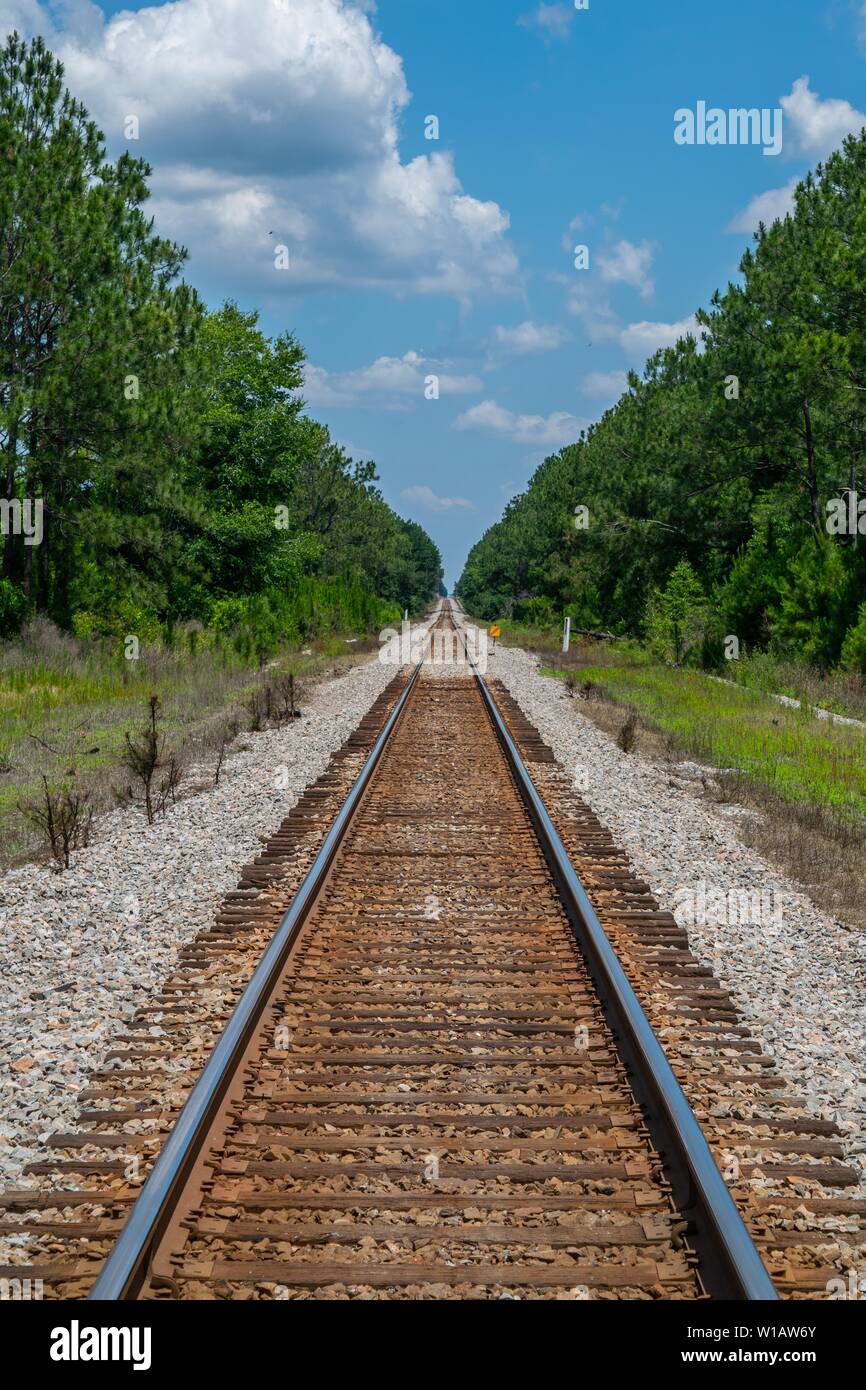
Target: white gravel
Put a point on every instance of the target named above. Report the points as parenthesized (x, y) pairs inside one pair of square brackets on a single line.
[(81, 950), (796, 974)]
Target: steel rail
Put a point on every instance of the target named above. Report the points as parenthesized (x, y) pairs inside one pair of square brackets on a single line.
[(125, 1269), (731, 1266)]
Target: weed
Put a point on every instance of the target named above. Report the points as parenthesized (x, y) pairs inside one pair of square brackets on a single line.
[(145, 756), (627, 736), (63, 817), (256, 707)]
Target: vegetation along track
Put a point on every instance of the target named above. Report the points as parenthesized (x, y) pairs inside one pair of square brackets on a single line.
[(438, 1082)]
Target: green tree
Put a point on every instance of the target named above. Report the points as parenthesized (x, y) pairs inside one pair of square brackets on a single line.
[(93, 374), (677, 614)]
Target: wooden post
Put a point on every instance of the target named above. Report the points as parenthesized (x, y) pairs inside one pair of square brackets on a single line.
[(566, 636)]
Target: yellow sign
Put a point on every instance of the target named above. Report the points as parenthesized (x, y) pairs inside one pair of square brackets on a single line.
[(495, 632)]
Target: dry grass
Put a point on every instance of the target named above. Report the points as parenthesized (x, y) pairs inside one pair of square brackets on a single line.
[(66, 707), (842, 692), (813, 846)]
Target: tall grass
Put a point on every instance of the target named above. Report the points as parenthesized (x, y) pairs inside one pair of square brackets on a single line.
[(806, 777), (786, 750), (67, 702), (842, 692)]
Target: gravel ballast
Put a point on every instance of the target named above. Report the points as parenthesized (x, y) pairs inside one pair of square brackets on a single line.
[(82, 949), (797, 975)]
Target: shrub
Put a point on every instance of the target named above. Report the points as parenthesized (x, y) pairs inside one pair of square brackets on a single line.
[(64, 817), (13, 606), (146, 756), (627, 736), (123, 618), (677, 615), (854, 645)]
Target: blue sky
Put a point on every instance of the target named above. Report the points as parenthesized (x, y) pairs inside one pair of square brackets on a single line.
[(302, 123)]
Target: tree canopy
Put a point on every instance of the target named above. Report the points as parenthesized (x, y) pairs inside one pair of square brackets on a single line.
[(167, 448), (732, 453)]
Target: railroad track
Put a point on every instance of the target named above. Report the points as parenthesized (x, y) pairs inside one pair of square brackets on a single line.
[(439, 1081)]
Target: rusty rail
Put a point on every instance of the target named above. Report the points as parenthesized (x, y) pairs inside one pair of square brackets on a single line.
[(731, 1266), (730, 1263), (126, 1266)]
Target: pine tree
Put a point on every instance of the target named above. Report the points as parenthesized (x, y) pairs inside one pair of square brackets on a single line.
[(94, 333)]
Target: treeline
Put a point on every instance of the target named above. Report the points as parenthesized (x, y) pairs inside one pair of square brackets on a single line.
[(158, 467), (724, 495)]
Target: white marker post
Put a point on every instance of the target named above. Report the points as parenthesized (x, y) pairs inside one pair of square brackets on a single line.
[(566, 636)]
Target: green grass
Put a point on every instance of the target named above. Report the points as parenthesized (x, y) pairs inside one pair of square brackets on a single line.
[(65, 706), (786, 751), (841, 692), (548, 641), (804, 777)]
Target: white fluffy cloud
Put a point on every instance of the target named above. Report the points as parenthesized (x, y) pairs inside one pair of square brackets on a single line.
[(766, 208), (812, 129), (641, 340), (818, 126), (630, 265), (390, 381), (529, 337), (590, 304), (286, 134), (552, 430), (638, 340), (426, 497), (604, 385)]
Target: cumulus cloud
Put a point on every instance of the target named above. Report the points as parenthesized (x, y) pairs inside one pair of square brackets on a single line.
[(389, 381), (529, 337), (639, 340), (766, 208), (426, 497), (812, 129), (629, 265), (818, 126), (553, 21), (604, 385), (286, 135), (644, 338), (552, 430)]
